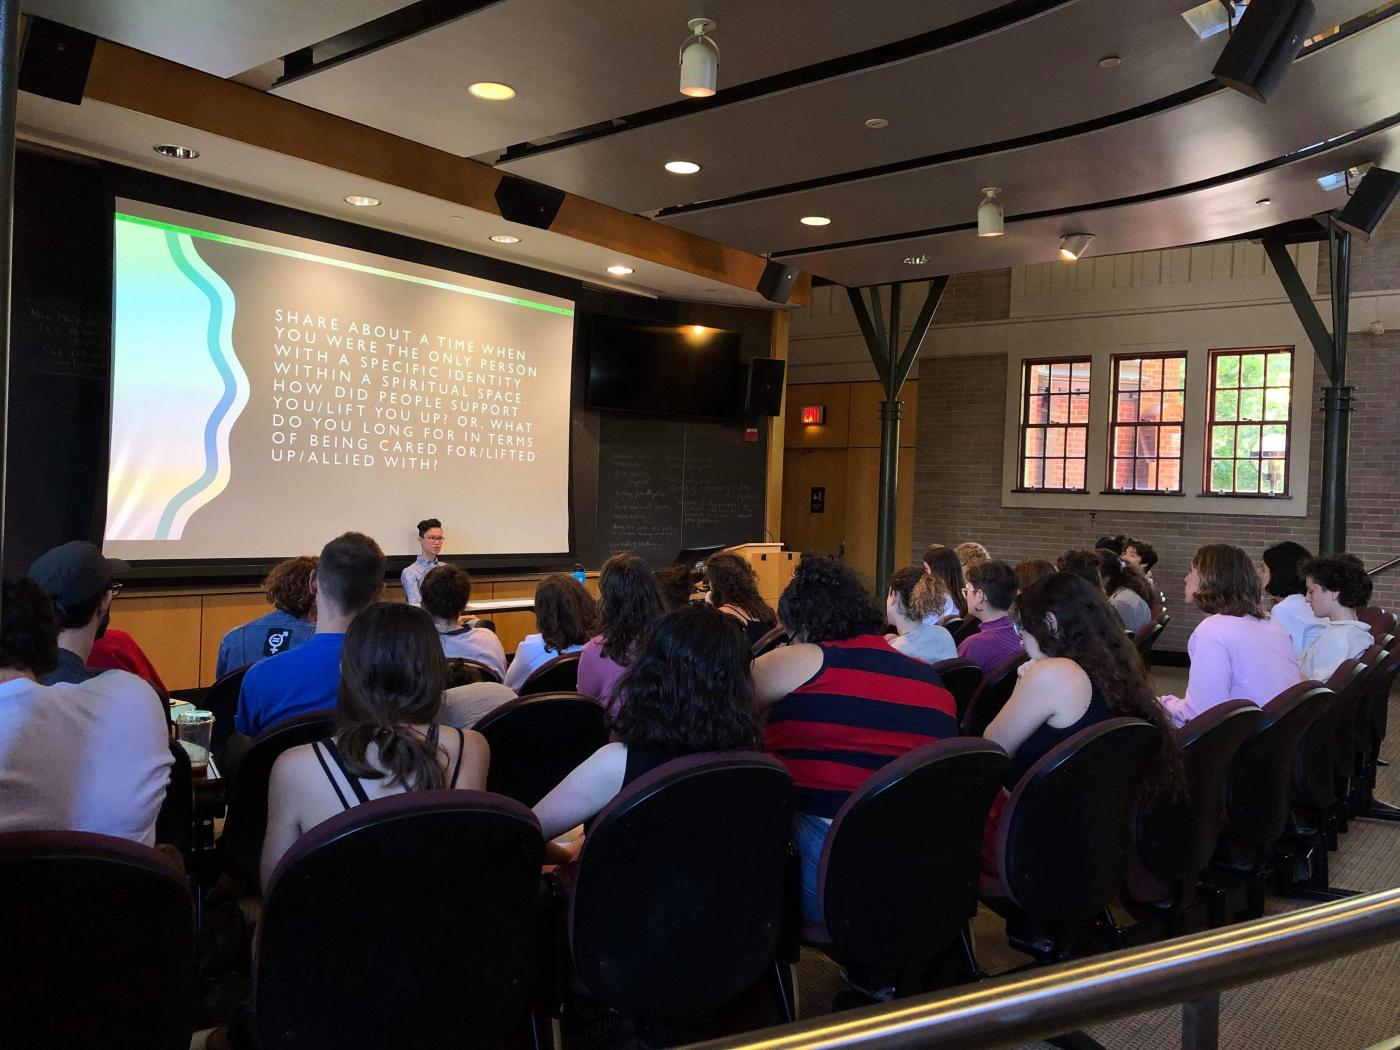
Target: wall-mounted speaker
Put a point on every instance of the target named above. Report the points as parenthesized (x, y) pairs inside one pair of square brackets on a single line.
[(1375, 193), (776, 283), (528, 203), (763, 386), (1263, 46), (55, 61)]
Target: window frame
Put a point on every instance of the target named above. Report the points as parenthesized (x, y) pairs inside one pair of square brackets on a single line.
[(1023, 424), (1211, 422), (1110, 455)]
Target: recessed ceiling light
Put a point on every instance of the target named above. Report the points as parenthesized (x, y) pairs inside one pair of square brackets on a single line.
[(1110, 62), (491, 91), (619, 271), (682, 167), (1263, 202), (916, 260), (174, 152), (362, 202), (814, 220), (455, 218), (505, 238), (876, 123)]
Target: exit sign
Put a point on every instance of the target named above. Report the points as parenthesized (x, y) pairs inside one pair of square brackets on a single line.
[(813, 415)]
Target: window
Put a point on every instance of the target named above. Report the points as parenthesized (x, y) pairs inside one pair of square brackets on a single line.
[(1251, 395), (1149, 408), (1055, 425)]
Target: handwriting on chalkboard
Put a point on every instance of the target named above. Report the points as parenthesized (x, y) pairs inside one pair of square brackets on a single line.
[(56, 340)]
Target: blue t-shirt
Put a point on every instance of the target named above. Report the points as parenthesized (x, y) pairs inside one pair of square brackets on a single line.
[(305, 679), (269, 635)]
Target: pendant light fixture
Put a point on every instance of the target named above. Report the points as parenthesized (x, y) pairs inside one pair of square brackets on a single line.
[(699, 60), (989, 213)]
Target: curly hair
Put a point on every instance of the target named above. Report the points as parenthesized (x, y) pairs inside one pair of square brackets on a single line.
[(971, 553), (1343, 573), (1032, 571), (446, 591), (288, 586), (630, 604), (28, 628), (564, 612), (943, 564), (1117, 544), (688, 687), (732, 581), (827, 601), (1086, 631), (391, 678), (1228, 582), (1084, 564), (1118, 574), (675, 585), (1145, 551), (1285, 561)]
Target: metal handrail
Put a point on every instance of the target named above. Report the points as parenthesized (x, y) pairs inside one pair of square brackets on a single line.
[(1383, 568), (1012, 1010)]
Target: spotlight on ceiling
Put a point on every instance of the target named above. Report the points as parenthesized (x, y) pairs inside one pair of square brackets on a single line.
[(619, 270), (491, 91), (1073, 245), (814, 220), (362, 202), (699, 60), (174, 152), (681, 167), (989, 213), (505, 238), (1262, 48)]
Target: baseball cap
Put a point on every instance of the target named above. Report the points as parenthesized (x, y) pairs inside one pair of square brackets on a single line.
[(75, 572)]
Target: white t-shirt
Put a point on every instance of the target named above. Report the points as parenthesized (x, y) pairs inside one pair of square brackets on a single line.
[(530, 654), (475, 643), (88, 757), (1295, 616), (950, 608)]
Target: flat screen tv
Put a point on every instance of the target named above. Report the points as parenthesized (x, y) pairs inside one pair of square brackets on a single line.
[(671, 370)]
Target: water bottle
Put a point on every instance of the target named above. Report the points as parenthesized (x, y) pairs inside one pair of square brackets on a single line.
[(580, 575)]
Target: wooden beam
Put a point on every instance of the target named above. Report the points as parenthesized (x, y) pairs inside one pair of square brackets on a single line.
[(777, 426)]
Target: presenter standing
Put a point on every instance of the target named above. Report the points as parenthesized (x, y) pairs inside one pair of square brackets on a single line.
[(430, 541)]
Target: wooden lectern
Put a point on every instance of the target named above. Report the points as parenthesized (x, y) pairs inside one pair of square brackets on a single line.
[(773, 565)]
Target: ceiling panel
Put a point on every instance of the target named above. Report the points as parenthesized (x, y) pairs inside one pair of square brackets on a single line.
[(1213, 214), (1350, 84), (1035, 76), (223, 37), (575, 64)]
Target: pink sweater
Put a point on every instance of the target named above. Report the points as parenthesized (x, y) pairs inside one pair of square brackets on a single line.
[(1234, 658)]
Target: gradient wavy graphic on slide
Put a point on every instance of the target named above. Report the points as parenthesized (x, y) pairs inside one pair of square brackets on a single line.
[(178, 386)]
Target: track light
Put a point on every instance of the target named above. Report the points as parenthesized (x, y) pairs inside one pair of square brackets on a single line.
[(699, 60), (989, 214), (1073, 245)]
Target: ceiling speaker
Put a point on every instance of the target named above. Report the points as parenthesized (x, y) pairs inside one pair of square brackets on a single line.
[(1263, 46), (55, 61), (528, 203), (1374, 194), (776, 283)]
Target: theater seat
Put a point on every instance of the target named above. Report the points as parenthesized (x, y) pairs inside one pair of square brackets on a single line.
[(678, 899), (405, 921), (96, 944), (991, 696), (898, 873), (536, 741), (1316, 792), (461, 671), (967, 629), (221, 700), (557, 675), (770, 641), (961, 678), (1146, 636)]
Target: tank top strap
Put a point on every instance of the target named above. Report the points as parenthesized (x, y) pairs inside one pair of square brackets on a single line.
[(461, 749), (353, 781), (325, 767)]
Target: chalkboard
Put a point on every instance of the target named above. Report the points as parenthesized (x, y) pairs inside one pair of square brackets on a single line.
[(664, 484)]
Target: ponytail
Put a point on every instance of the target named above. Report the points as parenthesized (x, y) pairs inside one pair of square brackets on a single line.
[(412, 761)]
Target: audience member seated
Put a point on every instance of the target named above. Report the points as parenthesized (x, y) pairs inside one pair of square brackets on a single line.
[(1129, 593), (686, 690), (971, 553), (430, 541), (1033, 571), (81, 584), (1081, 563), (628, 606), (1236, 652), (991, 591), (1143, 555), (841, 701), (386, 740), (464, 706), (288, 590), (676, 585), (566, 614), (1282, 578), (1337, 587), (914, 594), (116, 650), (1117, 544), (733, 590), (943, 564), (445, 593), (349, 577), (87, 756)]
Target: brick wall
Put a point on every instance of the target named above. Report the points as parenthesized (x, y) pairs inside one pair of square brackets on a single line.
[(971, 297), (957, 489)]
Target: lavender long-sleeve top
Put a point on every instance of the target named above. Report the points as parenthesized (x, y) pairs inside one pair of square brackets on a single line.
[(1234, 658)]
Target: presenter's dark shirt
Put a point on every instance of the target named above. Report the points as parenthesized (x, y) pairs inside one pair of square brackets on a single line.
[(70, 670)]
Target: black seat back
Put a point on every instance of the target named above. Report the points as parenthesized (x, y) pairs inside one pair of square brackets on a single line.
[(461, 671), (1062, 839), (557, 675), (1175, 838), (1353, 720), (991, 696), (221, 700), (175, 819), (98, 937), (1315, 761), (961, 678), (246, 825), (969, 627), (407, 920), (1145, 637), (1378, 702), (679, 893), (536, 741), (770, 641), (898, 873)]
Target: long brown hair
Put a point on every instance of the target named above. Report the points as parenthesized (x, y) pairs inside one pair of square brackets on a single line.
[(732, 581), (391, 678), (630, 604), (1087, 631), (944, 563), (564, 611), (1229, 583)]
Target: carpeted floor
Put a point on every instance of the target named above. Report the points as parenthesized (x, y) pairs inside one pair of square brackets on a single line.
[(1352, 1002)]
